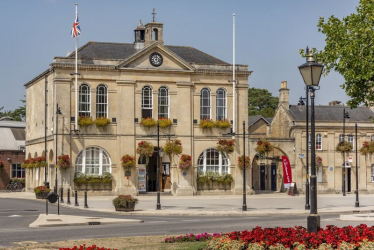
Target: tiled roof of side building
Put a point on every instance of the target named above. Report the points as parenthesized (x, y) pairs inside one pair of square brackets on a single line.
[(332, 113), (118, 51), (254, 118)]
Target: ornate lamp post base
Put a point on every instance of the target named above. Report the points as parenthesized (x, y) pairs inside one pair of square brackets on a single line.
[(313, 223)]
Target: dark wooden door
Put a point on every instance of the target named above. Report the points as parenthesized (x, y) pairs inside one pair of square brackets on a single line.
[(273, 177), (262, 177)]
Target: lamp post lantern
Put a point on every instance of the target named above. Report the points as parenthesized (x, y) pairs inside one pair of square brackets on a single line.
[(58, 112), (311, 72), (345, 116)]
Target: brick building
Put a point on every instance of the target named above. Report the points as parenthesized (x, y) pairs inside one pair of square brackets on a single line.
[(12, 150)]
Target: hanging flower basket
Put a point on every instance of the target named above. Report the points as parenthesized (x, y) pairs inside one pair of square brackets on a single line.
[(241, 163), (31, 163), (185, 162), (264, 147), (225, 146), (145, 149), (206, 124), (344, 147), (222, 124), (173, 148), (85, 121), (63, 162), (101, 122), (1, 165), (164, 122), (25, 163), (40, 162), (148, 122), (128, 161), (367, 148)]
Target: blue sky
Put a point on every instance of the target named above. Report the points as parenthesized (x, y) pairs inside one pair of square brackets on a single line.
[(269, 35)]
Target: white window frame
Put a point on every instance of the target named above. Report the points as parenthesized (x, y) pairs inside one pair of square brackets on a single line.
[(150, 104), (221, 159), (203, 115), (87, 111), (319, 174), (83, 155), (167, 99), (17, 169), (351, 140), (319, 141), (224, 107), (102, 101), (341, 137)]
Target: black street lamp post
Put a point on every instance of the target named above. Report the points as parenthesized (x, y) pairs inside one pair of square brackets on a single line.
[(311, 72), (160, 153), (357, 203), (345, 116), (301, 102), (58, 112), (244, 207)]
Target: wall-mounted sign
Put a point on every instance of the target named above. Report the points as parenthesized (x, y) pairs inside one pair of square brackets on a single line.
[(142, 182), (184, 173), (331, 168), (166, 168), (301, 156)]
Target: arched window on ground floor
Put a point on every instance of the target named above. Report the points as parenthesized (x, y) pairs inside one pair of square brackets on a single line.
[(214, 161), (93, 160)]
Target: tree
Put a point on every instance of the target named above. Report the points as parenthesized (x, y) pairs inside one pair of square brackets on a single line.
[(261, 102), (18, 114), (349, 51)]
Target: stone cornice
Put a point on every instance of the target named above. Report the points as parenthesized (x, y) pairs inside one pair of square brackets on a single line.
[(221, 72), (125, 82), (83, 66), (62, 80)]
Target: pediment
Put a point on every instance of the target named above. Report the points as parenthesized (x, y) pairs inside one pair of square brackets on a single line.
[(170, 61)]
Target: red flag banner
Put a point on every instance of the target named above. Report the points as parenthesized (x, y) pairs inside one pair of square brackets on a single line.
[(287, 174)]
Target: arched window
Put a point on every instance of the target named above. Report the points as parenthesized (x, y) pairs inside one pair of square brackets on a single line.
[(372, 172), (341, 137), (93, 160), (318, 141), (205, 104), (221, 105), (155, 34), (84, 100), (147, 102), (351, 141), (101, 101), (163, 103), (214, 161)]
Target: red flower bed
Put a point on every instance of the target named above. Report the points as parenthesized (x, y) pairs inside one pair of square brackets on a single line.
[(84, 247), (288, 236)]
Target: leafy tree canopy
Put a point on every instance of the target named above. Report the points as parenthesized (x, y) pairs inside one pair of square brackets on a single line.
[(349, 51), (261, 102), (18, 114)]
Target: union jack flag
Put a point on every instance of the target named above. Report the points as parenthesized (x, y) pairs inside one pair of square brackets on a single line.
[(76, 30)]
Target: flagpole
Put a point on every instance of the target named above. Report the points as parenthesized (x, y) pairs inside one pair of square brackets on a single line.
[(233, 76), (76, 75)]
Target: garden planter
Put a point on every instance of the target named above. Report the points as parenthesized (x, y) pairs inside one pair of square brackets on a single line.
[(130, 207), (41, 195)]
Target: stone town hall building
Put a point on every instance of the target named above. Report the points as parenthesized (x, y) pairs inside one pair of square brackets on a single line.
[(126, 82)]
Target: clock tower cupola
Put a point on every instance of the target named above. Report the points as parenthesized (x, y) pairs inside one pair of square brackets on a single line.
[(154, 31)]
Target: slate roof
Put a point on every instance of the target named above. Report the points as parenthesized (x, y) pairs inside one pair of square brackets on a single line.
[(332, 113), (122, 51), (12, 135), (254, 118)]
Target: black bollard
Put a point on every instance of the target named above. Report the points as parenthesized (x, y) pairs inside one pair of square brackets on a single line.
[(76, 198), (85, 200), (46, 206), (62, 195), (68, 196)]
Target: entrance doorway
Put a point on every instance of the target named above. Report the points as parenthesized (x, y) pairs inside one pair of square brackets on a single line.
[(151, 173), (348, 177)]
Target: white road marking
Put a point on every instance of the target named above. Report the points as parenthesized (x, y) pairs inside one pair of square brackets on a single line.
[(15, 215), (157, 221)]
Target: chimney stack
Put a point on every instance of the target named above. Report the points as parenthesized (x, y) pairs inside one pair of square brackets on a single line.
[(284, 95)]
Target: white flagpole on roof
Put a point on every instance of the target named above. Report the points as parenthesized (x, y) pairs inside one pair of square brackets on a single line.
[(76, 74)]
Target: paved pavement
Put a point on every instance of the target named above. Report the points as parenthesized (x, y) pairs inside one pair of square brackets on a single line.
[(230, 205)]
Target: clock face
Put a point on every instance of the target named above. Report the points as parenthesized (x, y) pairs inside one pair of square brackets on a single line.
[(155, 59)]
